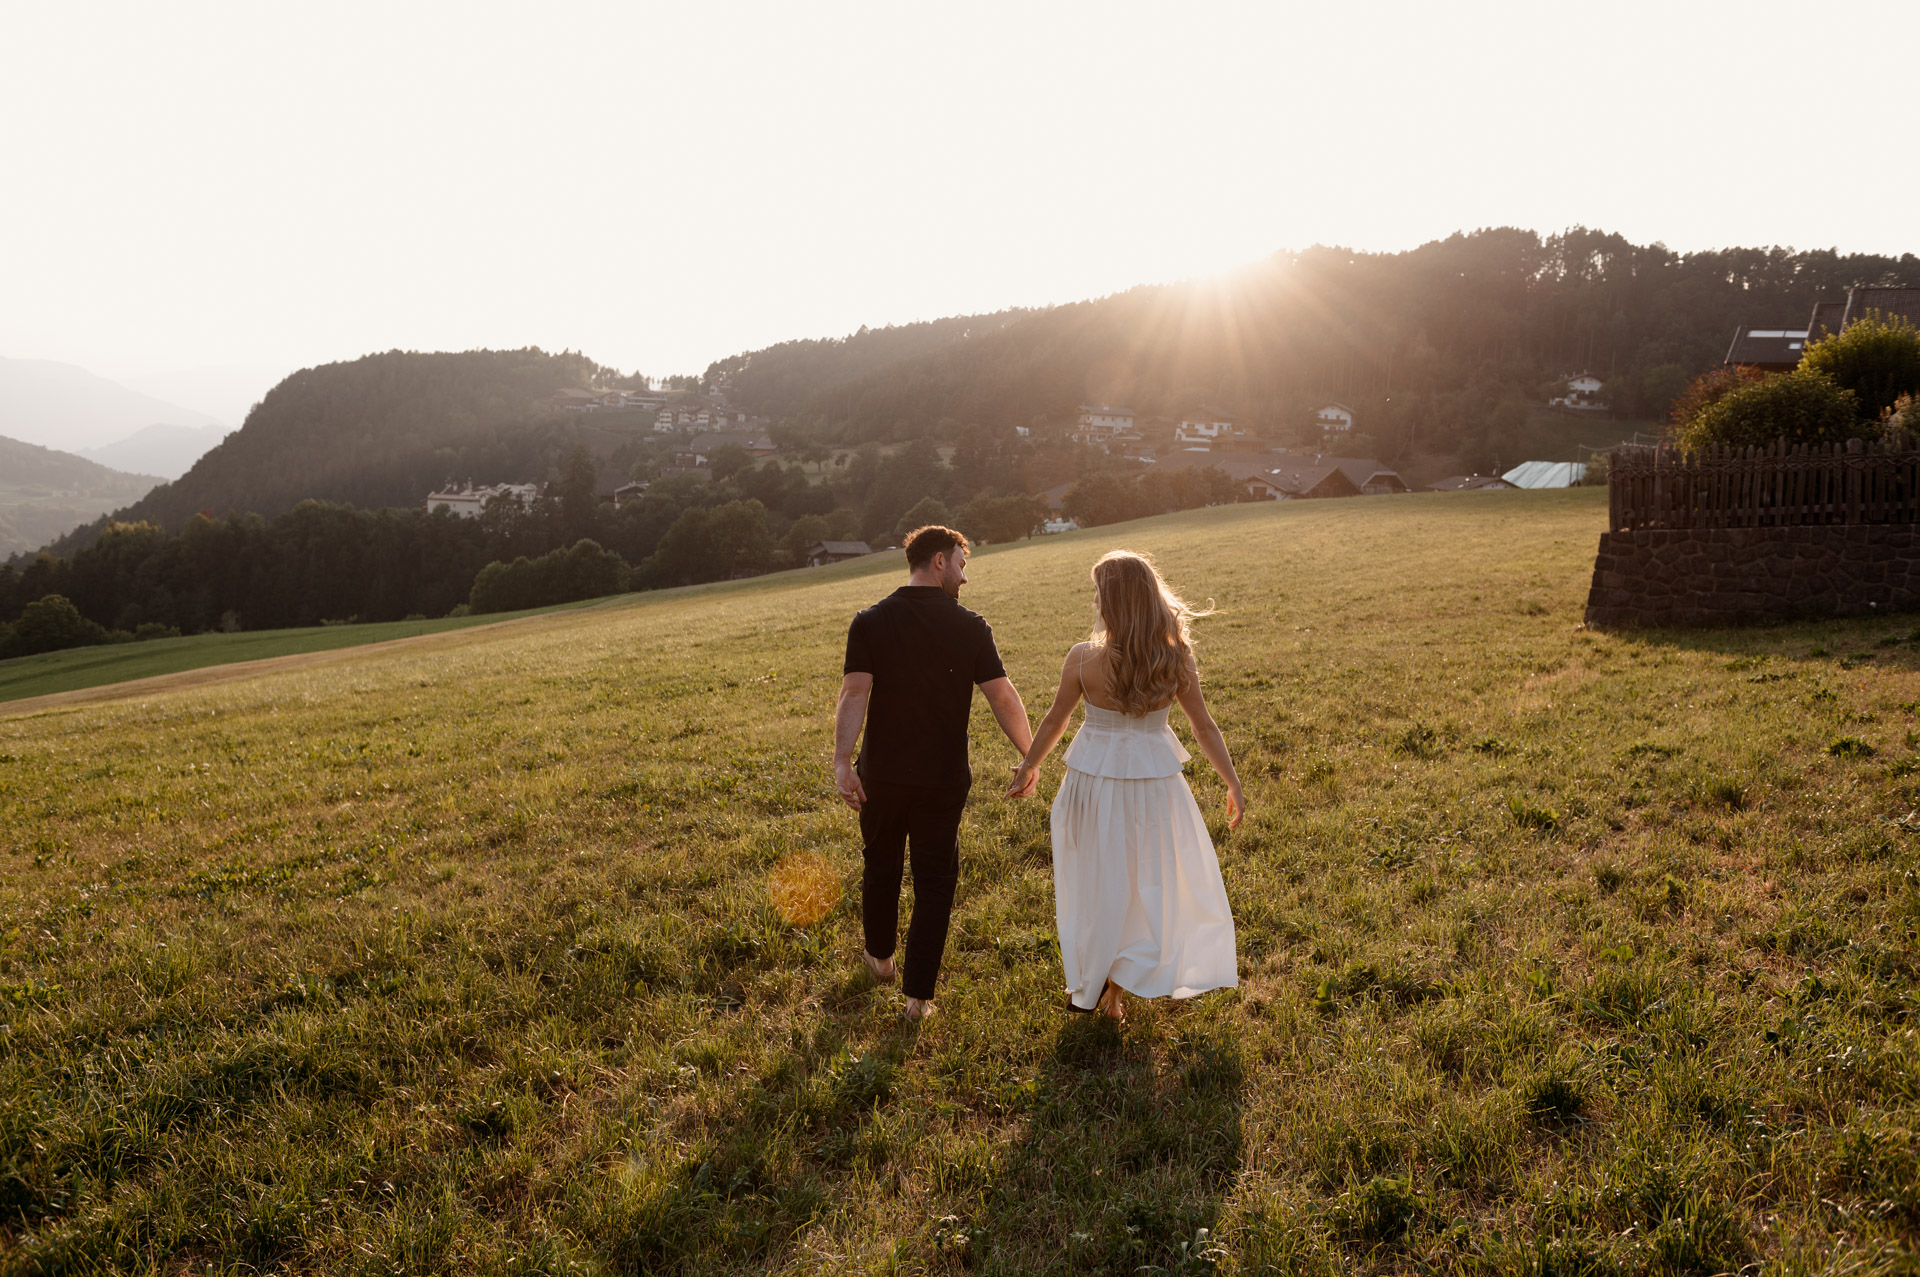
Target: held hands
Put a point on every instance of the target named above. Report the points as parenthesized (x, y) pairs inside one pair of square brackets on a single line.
[(847, 781), (1026, 779)]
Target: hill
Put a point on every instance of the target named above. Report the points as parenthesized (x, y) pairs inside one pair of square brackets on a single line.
[(1444, 345), (59, 405), (1558, 948), (382, 430), (44, 493), (167, 451)]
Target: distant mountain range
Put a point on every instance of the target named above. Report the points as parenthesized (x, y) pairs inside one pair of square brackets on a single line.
[(62, 406), (168, 451), (44, 493)]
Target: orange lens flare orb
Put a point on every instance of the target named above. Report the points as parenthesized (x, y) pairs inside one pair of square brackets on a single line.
[(804, 888)]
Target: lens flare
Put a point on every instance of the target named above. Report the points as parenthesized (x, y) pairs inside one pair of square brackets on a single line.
[(804, 888)]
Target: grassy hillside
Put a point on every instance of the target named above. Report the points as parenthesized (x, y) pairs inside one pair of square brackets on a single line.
[(1561, 951)]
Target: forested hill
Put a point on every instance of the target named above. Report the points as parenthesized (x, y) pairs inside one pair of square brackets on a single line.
[(1429, 341), (377, 431)]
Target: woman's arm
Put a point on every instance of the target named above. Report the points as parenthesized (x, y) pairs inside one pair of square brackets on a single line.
[(1026, 776), (1213, 745)]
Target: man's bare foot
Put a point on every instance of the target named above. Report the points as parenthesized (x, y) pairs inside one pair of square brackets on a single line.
[(1112, 1006), (918, 1009), (882, 969)]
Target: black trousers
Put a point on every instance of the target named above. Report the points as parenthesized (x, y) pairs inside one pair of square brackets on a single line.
[(928, 819)]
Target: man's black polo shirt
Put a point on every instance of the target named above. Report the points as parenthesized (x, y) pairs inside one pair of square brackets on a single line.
[(926, 654)]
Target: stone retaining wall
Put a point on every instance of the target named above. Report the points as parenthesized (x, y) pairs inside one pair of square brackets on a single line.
[(1732, 576)]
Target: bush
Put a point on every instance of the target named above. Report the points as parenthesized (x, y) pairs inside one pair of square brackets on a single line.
[(1800, 407), (1710, 388), (583, 571), (1877, 358), (50, 624)]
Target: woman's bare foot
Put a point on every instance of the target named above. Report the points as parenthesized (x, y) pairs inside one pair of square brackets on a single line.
[(1112, 1005), (882, 969), (918, 1009)]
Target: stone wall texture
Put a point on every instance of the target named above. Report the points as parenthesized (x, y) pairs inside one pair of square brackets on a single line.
[(1735, 576)]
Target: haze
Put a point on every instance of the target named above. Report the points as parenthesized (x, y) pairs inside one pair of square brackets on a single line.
[(210, 195)]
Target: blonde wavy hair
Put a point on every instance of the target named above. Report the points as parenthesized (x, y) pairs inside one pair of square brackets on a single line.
[(1144, 629)]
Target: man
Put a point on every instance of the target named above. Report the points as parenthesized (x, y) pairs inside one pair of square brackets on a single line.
[(913, 660)]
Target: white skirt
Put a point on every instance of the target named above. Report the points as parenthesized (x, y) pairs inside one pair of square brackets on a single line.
[(1137, 892)]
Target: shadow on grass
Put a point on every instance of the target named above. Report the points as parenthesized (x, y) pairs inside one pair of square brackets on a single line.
[(1132, 1141), (1888, 638)]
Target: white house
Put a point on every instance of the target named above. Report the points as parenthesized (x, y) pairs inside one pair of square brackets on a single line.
[(1097, 425), (1204, 425), (469, 502), (1334, 419), (1582, 388)]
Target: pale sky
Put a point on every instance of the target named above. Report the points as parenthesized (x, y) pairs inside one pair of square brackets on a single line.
[(247, 187)]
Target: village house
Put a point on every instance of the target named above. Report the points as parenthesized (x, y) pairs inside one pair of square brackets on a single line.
[(1101, 425), (756, 444), (821, 553), (1277, 476), (1333, 420), (1779, 349), (692, 463), (1582, 391), (1766, 349), (1471, 483), (1204, 426), (470, 502), (630, 491)]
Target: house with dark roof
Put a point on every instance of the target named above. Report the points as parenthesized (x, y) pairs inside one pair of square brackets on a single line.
[(1277, 476), (1767, 349), (1779, 349), (821, 553)]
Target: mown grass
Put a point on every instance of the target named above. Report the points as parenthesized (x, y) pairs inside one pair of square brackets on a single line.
[(82, 667), (1562, 952)]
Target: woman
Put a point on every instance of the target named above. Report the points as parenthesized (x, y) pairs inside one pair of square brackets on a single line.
[(1137, 891)]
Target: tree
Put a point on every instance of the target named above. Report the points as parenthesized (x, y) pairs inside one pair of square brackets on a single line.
[(1800, 406), (1878, 359), (928, 510), (52, 624), (712, 545), (999, 519), (728, 460), (579, 507), (1101, 498)]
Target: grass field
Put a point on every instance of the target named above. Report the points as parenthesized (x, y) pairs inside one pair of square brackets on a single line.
[(82, 667), (1561, 952)]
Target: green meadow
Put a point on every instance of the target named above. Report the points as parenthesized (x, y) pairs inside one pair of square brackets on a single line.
[(1561, 952)]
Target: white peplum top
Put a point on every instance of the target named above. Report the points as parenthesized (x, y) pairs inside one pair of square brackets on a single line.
[(1117, 745)]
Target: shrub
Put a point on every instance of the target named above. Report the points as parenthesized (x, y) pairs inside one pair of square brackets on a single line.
[(583, 571), (1800, 407), (51, 624), (1708, 389), (1877, 358)]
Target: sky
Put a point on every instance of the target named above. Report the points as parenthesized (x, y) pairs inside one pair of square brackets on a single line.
[(202, 197)]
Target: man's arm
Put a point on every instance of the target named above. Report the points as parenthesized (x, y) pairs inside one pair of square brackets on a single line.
[(849, 716), (1009, 712)]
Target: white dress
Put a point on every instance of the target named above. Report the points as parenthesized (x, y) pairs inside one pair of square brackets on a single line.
[(1136, 886)]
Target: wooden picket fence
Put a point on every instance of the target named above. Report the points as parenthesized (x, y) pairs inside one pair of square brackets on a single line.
[(1780, 486)]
